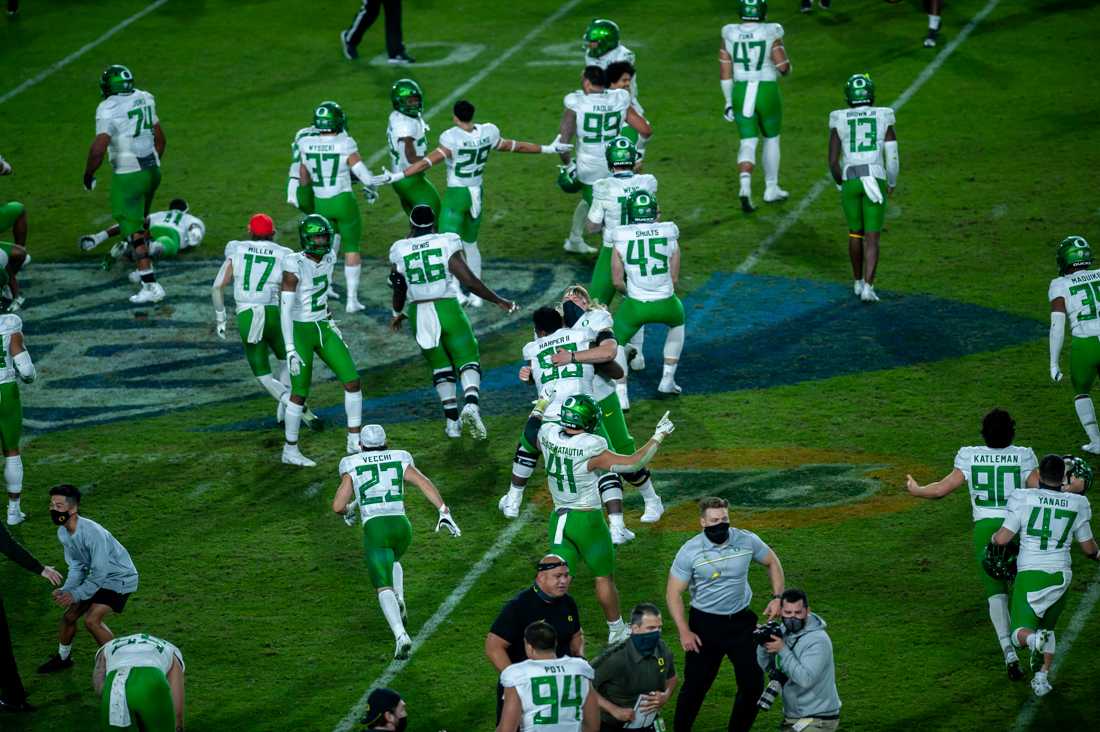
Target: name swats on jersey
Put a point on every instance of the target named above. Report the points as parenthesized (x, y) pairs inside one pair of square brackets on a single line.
[(572, 484), (862, 133), (750, 47), (646, 251), (129, 119), (1081, 293)]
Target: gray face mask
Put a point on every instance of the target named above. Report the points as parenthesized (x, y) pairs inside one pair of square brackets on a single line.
[(794, 625)]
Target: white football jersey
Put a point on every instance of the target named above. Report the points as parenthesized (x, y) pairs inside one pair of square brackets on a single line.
[(295, 153), (862, 132), (609, 199), (567, 380), (1081, 291), (190, 229), (596, 321), (646, 250), (401, 126), (129, 120), (1048, 524), (257, 272), (469, 153), (379, 480), (141, 651), (572, 484), (326, 159), (311, 297), (750, 47), (10, 324), (994, 475), (552, 692), (425, 262), (600, 117)]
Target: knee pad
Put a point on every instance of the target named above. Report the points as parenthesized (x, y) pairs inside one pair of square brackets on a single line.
[(638, 478), (523, 463), (443, 376), (611, 488), (747, 151)]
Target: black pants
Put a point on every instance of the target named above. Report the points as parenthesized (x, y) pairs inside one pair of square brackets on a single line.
[(365, 18), (11, 686), (723, 636)]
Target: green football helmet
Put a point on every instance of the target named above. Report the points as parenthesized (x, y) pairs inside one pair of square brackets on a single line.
[(756, 10), (1074, 251), (1077, 468), (407, 97), (310, 229), (604, 33), (116, 79), (330, 117), (641, 207), (859, 90), (567, 179), (581, 412), (999, 560), (621, 152)]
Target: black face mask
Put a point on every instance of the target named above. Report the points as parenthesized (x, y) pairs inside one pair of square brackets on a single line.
[(718, 533), (571, 312), (794, 625), (60, 517), (646, 643), (543, 596)]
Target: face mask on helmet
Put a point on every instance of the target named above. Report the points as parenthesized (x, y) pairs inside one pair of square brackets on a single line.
[(194, 235)]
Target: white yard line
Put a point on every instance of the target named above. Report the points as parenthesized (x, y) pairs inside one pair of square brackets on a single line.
[(42, 75), (927, 73), (1064, 642), (504, 538)]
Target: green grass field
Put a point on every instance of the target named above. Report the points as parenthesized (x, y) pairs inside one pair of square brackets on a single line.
[(244, 566)]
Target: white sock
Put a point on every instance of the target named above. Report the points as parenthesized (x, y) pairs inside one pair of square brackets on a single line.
[(638, 341), (576, 233), (273, 387), (616, 520), (473, 257), (353, 405), (284, 374), (1086, 412), (399, 580), (746, 184), (471, 384), (771, 161), (674, 345), (933, 22), (998, 615), (13, 503), (13, 474), (292, 421), (515, 492), (351, 274), (64, 650), (647, 492), (392, 611)]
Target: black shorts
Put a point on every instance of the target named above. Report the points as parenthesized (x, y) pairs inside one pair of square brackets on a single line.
[(110, 598)]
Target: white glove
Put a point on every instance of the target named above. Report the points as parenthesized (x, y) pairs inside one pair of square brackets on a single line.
[(385, 178), (349, 513), (371, 194), (219, 323), (1055, 373), (728, 114), (293, 362), (556, 146), (664, 428), (447, 522)]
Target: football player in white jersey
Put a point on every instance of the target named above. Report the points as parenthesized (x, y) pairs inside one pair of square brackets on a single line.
[(15, 366), (603, 48), (170, 233), (465, 148), (751, 58), (425, 269), (293, 181), (1075, 296), (372, 482), (646, 267), (407, 138), (308, 328), (13, 255), (863, 160), (993, 473), (594, 115), (545, 693), (1048, 521), (140, 679), (127, 127)]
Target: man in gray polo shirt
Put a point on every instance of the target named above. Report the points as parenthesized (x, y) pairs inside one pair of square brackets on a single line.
[(714, 567), (101, 576)]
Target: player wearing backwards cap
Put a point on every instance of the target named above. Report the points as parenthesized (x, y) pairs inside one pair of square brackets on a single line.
[(171, 232), (140, 679), (255, 267), (372, 481)]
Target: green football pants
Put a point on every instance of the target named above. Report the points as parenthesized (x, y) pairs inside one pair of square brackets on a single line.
[(457, 216), (10, 213), (11, 416), (600, 288), (583, 536), (168, 238), (1023, 613), (385, 541), (343, 211), (767, 116), (457, 343), (1084, 361), (149, 698), (984, 529), (321, 338), (633, 314), (271, 342), (416, 190), (862, 214), (131, 196)]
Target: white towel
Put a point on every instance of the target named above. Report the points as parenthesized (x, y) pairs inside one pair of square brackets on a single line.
[(870, 187), (428, 328), (259, 318), (475, 201), (1042, 600), (119, 709), (748, 108)]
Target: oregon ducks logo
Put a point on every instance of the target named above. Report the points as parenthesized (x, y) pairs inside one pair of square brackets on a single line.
[(125, 75), (859, 82)]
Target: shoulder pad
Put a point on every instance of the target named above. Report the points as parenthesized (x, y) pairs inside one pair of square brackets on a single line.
[(10, 323)]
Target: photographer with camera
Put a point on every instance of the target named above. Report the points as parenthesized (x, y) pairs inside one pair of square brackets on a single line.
[(797, 655)]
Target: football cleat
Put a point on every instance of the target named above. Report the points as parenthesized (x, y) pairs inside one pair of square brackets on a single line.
[(150, 292), (15, 516), (453, 429), (868, 294), (930, 42), (1040, 684), (653, 511), (577, 246), (293, 456), (1092, 447), (354, 306), (621, 535), (624, 397), (1012, 666), (349, 50), (746, 203), (55, 664), (773, 194), (857, 287), (807, 6), (471, 419), (668, 386), (508, 507), (404, 647), (119, 249), (402, 59)]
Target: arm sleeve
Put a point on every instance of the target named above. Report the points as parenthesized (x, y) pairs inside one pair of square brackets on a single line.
[(807, 666), (727, 90), (286, 319), (10, 548), (681, 566), (890, 149), (1057, 337)]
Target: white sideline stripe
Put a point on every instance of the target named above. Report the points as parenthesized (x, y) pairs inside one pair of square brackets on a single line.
[(1076, 623), (42, 75), (454, 96), (503, 540), (927, 73)]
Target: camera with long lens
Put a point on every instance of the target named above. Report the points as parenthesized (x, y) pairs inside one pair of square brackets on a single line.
[(765, 633)]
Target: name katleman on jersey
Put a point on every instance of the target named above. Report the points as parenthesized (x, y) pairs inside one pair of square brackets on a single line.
[(979, 458), (1055, 502)]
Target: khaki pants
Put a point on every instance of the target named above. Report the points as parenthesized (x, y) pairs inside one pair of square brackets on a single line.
[(817, 725)]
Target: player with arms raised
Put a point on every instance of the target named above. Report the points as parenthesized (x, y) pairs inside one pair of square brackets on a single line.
[(127, 127), (407, 136), (993, 473), (308, 328), (373, 482), (15, 366), (863, 159), (750, 60)]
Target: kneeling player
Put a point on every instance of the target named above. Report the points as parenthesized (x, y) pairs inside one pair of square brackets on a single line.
[(141, 681), (374, 481)]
